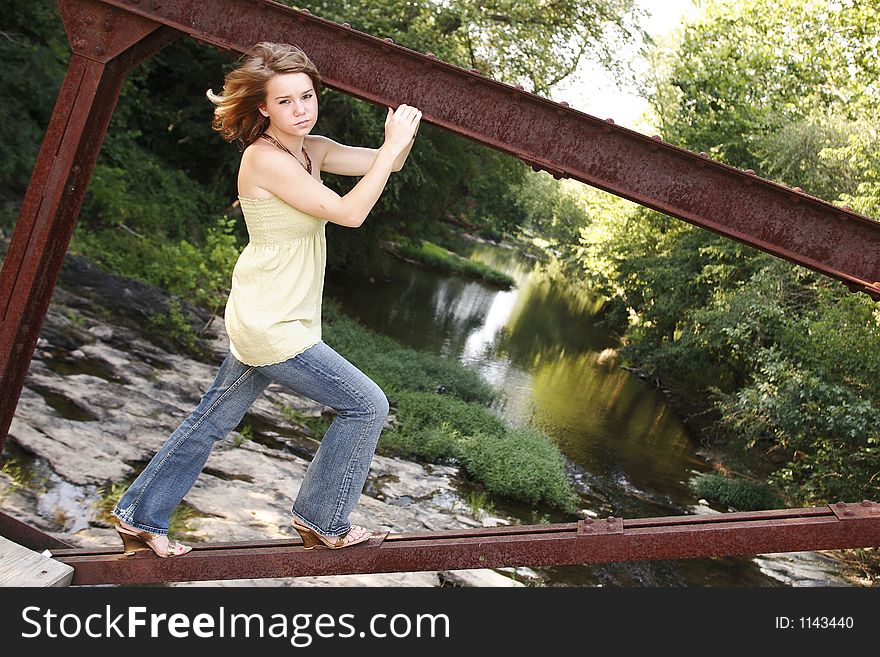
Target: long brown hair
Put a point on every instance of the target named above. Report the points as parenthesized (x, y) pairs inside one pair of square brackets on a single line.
[(237, 116)]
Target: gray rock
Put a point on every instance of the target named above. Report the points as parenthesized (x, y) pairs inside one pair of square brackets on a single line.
[(99, 400)]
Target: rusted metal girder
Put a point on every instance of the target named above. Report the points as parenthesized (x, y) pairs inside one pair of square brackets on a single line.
[(30, 537), (552, 136), (106, 44), (108, 37), (610, 539)]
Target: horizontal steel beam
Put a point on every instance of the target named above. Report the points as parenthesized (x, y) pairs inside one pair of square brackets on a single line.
[(552, 136), (588, 541)]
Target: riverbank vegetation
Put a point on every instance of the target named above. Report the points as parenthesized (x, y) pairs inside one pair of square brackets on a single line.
[(775, 366), (444, 261), (442, 417)]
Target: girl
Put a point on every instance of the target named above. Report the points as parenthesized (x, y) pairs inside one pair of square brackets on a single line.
[(269, 105)]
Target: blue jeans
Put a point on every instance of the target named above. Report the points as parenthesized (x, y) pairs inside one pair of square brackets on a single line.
[(335, 477)]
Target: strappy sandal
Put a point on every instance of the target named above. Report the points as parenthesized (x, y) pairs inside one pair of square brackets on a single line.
[(312, 539), (135, 540)]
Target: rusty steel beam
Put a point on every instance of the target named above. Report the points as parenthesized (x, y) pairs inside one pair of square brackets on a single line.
[(106, 44), (784, 222), (30, 537), (108, 37), (588, 541)]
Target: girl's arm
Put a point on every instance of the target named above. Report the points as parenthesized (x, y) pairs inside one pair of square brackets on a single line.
[(279, 175), (353, 160), (295, 186)]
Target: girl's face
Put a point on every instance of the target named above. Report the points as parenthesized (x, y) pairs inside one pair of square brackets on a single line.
[(291, 103)]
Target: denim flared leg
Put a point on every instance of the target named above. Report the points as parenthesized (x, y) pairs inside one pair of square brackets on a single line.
[(148, 503), (335, 478)]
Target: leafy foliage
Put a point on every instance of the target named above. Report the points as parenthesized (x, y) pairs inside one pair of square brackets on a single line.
[(440, 259), (740, 494), (786, 359), (521, 465)]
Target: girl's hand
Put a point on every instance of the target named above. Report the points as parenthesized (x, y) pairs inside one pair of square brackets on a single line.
[(401, 126)]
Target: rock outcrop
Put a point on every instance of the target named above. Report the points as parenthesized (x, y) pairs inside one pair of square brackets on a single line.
[(102, 396)]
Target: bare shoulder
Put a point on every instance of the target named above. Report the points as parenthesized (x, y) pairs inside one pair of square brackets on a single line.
[(257, 160), (317, 147), (261, 153)]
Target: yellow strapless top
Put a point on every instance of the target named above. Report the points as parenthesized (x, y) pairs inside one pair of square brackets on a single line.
[(274, 308)]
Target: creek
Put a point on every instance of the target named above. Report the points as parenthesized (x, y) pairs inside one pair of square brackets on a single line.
[(544, 349)]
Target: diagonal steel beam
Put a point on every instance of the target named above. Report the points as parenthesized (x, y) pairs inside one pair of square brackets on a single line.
[(552, 136), (589, 541), (30, 537), (106, 44)]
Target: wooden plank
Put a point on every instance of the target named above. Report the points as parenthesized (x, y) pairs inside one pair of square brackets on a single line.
[(20, 566)]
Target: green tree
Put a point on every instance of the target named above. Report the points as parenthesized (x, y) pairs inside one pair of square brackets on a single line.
[(781, 360)]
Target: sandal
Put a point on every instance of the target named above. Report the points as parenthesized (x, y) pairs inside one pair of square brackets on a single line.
[(312, 539), (135, 540)]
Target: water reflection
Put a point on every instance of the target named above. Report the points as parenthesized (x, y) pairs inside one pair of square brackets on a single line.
[(543, 346)]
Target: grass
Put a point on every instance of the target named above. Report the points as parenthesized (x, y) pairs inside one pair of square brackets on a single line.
[(397, 368), (479, 504), (246, 433), (110, 494), (439, 259), (522, 465), (442, 418), (316, 424), (739, 494), (20, 475)]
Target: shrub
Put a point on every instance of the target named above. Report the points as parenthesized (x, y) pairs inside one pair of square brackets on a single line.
[(434, 444), (421, 410), (522, 465), (439, 259), (739, 494), (397, 368)]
